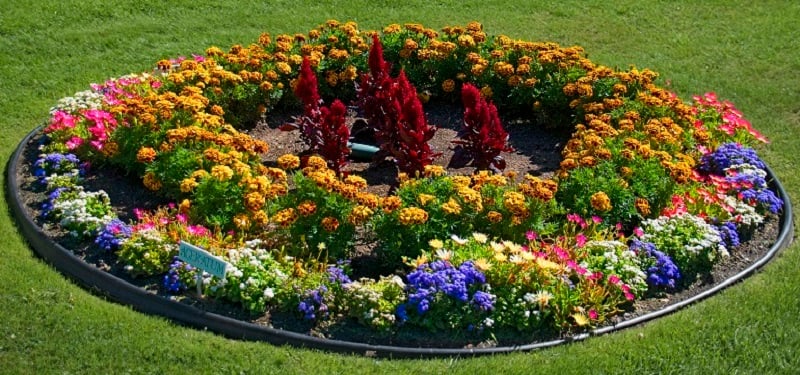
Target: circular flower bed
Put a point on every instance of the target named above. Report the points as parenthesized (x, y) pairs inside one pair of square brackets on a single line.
[(651, 192)]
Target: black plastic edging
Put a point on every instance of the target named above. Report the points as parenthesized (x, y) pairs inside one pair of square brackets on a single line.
[(141, 300)]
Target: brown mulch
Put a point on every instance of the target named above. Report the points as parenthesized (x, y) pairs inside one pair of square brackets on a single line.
[(537, 153)]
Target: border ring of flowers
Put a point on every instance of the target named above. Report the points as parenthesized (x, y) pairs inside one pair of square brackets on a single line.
[(125, 293)]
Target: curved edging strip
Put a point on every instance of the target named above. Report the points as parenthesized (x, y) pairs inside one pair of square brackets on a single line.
[(143, 301)]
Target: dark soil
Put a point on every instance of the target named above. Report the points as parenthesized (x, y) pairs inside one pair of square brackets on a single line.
[(537, 153)]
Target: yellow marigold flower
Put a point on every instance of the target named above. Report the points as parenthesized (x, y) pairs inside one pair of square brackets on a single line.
[(349, 73), (412, 215), (392, 29), (568, 164), (146, 155), (260, 217), (588, 161), (368, 199), (424, 199), (283, 68), (307, 208), (188, 184), (514, 201), (241, 221), (357, 181), (486, 92), (276, 174), (600, 201), (221, 172), (642, 206), (317, 162), (626, 171), (332, 78), (185, 206), (448, 85), (285, 217), (359, 215), (451, 207), (410, 44), (288, 162), (253, 201), (477, 69), (461, 181), (151, 181), (494, 217), (330, 224), (466, 41), (347, 191), (391, 203)]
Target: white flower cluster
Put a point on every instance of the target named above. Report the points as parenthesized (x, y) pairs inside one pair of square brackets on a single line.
[(367, 300), (744, 215), (615, 258), (84, 214), (82, 100), (691, 233)]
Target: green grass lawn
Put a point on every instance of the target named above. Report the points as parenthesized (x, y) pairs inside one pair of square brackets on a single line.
[(747, 52)]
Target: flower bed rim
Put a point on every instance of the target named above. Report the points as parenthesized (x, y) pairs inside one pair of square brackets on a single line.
[(119, 290)]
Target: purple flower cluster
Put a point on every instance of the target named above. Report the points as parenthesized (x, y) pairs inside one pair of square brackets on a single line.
[(113, 234), (750, 187), (55, 163), (730, 236), (440, 278), (49, 204), (662, 272), (336, 274), (313, 303), (172, 280), (727, 155)]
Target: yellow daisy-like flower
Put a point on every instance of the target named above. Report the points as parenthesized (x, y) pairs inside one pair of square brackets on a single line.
[(580, 319), (600, 201), (436, 244), (482, 264), (479, 237)]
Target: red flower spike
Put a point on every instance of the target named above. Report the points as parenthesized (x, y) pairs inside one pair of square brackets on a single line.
[(323, 129), (483, 137)]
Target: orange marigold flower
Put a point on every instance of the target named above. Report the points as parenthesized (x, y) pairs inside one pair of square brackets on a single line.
[(448, 85), (330, 224), (391, 203), (221, 172), (424, 199), (151, 181), (188, 184), (185, 206), (643, 206), (288, 162), (254, 201), (317, 162), (307, 208), (368, 199), (241, 221), (451, 207), (466, 41), (412, 215), (359, 215), (146, 155), (600, 201), (494, 217), (260, 217), (285, 217)]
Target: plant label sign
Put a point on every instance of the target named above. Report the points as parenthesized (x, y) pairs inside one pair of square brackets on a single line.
[(202, 259)]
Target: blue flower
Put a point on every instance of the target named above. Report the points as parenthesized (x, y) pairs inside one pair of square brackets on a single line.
[(113, 234), (730, 236), (663, 272)]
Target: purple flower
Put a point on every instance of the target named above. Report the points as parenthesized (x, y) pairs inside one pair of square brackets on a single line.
[(112, 235), (313, 303), (338, 275), (730, 236), (440, 278), (662, 272)]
